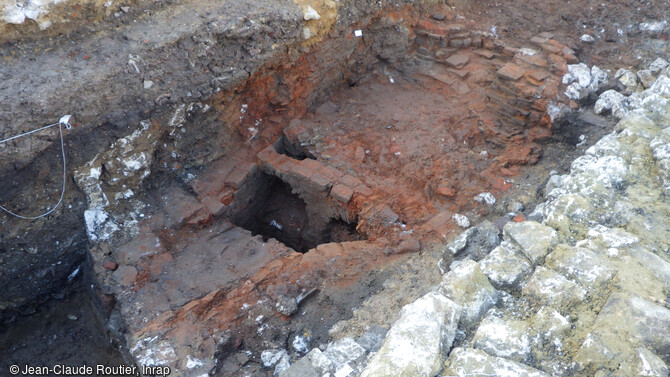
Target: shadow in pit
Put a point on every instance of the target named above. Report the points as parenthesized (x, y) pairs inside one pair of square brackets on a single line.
[(293, 150), (276, 212)]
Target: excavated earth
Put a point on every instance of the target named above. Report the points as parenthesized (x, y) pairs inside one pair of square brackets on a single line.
[(249, 181)]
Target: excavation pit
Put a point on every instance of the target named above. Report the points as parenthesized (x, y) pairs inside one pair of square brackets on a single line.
[(318, 194), (291, 182), (276, 212)]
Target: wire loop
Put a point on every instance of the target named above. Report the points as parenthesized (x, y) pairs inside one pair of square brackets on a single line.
[(64, 121)]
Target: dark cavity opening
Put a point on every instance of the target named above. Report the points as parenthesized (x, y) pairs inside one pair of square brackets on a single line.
[(294, 150), (276, 212), (339, 230)]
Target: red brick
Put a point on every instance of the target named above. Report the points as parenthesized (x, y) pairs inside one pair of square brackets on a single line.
[(211, 180), (571, 58), (535, 60), (558, 63), (364, 190), (510, 71), (260, 275), (199, 217), (331, 173), (158, 262), (538, 40), (110, 265), (268, 155), (411, 245), (432, 28), (485, 53), (283, 164), (552, 48), (238, 176), (300, 171), (342, 193), (510, 51), (440, 223), (458, 60), (213, 205), (444, 188), (320, 182), (312, 164), (294, 130), (125, 275), (330, 250), (538, 75), (143, 245), (350, 181)]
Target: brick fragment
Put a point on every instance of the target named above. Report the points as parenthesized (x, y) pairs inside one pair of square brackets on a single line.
[(538, 40), (364, 190), (321, 182), (268, 155), (342, 193), (510, 51), (484, 53), (213, 205), (510, 71), (536, 60), (239, 174)]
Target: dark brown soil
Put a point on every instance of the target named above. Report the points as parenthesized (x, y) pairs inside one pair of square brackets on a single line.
[(63, 331)]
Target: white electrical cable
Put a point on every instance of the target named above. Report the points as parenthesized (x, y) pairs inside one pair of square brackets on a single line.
[(64, 121)]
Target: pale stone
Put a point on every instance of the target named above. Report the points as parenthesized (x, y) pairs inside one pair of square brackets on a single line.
[(485, 197), (658, 65), (503, 338), (628, 79), (555, 181), (581, 265), (472, 362), (419, 340), (599, 78), (657, 106), (636, 123), (612, 237), (609, 145), (475, 242), (645, 363), (461, 220), (504, 267), (311, 14), (587, 38), (610, 171), (343, 351), (581, 72), (661, 86), (577, 92), (608, 100), (550, 324), (271, 357), (301, 368), (373, 338), (550, 288), (646, 78), (319, 361), (467, 285), (533, 239), (626, 320), (595, 353), (567, 210)]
